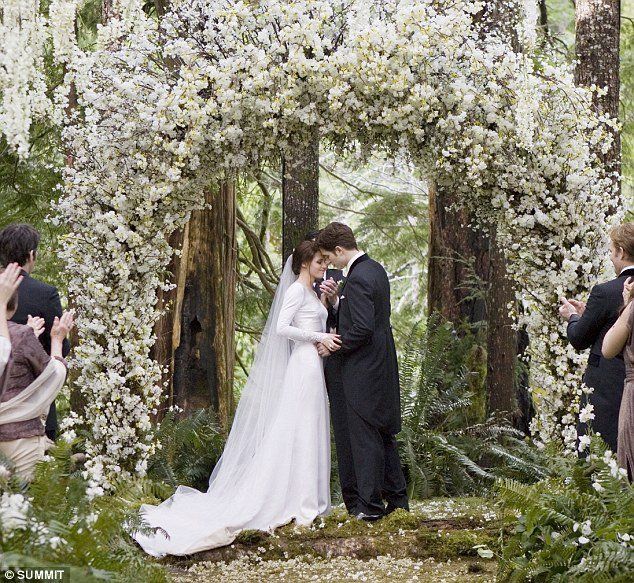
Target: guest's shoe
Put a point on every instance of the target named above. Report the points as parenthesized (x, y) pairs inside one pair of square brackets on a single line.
[(368, 517)]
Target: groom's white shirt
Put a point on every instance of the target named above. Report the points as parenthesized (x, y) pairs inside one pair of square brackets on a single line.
[(346, 270), (626, 267)]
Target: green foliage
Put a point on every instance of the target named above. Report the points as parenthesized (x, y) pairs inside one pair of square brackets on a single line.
[(190, 448), (570, 529), (444, 451), (58, 525)]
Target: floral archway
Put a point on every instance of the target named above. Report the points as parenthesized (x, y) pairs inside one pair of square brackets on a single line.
[(220, 87)]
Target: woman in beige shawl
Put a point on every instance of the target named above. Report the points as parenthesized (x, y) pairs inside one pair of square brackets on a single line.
[(29, 383)]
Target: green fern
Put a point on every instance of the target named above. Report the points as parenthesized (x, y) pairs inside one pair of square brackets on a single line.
[(547, 543), (444, 451), (64, 528), (190, 448)]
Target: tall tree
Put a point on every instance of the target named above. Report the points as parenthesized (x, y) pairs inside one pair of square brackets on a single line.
[(300, 193), (195, 334), (461, 256), (458, 262), (597, 26), (203, 329)]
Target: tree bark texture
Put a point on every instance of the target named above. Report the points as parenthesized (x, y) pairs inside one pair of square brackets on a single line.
[(203, 333), (502, 338), (597, 51), (458, 257), (300, 194)]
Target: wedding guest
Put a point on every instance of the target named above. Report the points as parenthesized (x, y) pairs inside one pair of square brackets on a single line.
[(27, 387), (10, 279), (18, 244), (588, 324), (620, 338)]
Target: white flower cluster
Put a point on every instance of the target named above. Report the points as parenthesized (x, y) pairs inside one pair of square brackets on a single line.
[(23, 88), (14, 510), (223, 86)]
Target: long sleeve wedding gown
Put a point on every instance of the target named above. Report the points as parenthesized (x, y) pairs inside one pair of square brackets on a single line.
[(277, 467)]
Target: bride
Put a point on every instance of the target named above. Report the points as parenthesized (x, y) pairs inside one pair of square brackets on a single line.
[(276, 463)]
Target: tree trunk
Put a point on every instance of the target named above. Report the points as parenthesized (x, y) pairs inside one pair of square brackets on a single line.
[(458, 262), (167, 328), (502, 339), (204, 329), (597, 51), (300, 194)]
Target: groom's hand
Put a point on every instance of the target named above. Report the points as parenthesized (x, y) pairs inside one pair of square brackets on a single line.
[(322, 350), (329, 288)]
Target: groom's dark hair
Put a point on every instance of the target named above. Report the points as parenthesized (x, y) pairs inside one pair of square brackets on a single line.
[(336, 235), (312, 235)]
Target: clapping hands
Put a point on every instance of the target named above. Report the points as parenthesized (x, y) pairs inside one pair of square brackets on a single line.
[(37, 324), (62, 326), (570, 307), (10, 280)]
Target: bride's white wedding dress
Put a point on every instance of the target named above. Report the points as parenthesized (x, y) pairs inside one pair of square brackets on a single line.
[(276, 463)]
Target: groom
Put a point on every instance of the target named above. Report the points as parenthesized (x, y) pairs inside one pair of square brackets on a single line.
[(362, 380)]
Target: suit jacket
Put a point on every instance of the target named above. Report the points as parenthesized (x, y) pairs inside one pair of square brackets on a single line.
[(605, 376), (369, 368), (40, 299)]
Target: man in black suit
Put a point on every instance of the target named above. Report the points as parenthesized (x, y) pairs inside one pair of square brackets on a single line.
[(18, 244), (587, 325), (362, 380)]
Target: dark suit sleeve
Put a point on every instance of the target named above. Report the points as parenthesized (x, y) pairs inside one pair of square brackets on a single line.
[(361, 305), (53, 310), (582, 331)]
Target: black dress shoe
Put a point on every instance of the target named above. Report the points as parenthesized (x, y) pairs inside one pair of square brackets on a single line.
[(368, 517)]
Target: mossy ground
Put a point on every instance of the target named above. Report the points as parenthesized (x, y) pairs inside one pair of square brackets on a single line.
[(436, 541)]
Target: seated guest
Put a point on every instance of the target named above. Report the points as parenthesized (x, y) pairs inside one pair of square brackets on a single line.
[(18, 244), (10, 279), (588, 325), (28, 386), (620, 339)]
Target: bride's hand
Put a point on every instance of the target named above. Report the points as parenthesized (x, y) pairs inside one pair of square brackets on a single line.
[(332, 342)]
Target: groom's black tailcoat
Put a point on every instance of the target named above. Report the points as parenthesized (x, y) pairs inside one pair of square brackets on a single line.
[(368, 354), (605, 375), (363, 386)]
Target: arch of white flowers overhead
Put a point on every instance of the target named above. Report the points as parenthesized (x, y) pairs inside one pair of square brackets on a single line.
[(224, 86)]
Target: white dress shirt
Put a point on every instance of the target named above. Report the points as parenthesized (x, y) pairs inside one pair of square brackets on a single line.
[(626, 267)]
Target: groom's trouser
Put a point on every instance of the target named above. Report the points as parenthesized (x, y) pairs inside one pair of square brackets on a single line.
[(339, 418), (368, 463), (377, 466)]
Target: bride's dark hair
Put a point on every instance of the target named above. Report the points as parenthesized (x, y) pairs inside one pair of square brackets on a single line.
[(303, 253)]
